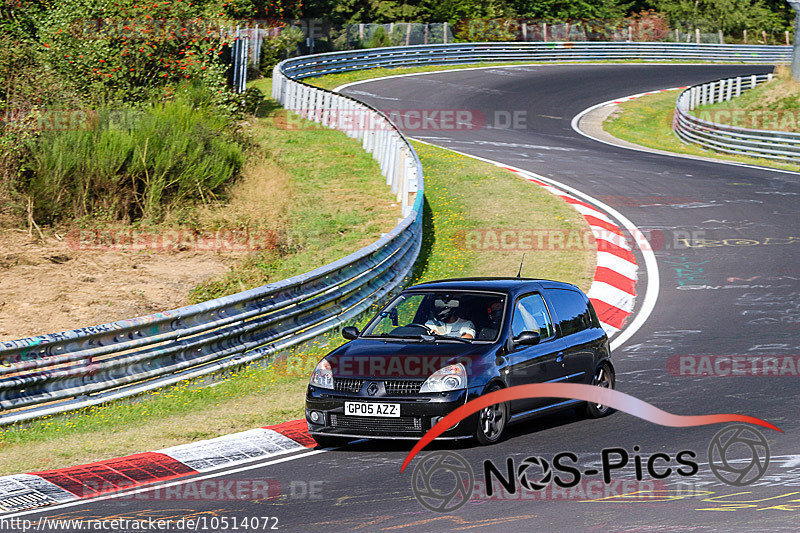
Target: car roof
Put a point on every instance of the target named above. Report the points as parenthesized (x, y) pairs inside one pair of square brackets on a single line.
[(501, 284)]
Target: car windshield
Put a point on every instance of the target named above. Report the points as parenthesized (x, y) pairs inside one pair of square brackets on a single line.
[(444, 315)]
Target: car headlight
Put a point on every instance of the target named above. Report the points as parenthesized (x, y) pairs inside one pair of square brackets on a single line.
[(451, 377), (322, 375)]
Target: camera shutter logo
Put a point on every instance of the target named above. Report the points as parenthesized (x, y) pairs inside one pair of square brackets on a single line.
[(443, 481), (738, 455), (523, 470)]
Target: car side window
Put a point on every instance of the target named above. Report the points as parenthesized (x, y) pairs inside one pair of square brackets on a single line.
[(572, 310), (530, 314)]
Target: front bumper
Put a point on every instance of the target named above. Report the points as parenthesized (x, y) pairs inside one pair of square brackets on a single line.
[(418, 413)]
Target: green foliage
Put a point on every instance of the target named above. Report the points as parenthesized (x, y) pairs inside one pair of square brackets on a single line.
[(728, 15), (379, 38), (252, 100), (378, 11), (127, 51), (276, 49), (460, 11), (486, 30), (130, 163), (572, 9)]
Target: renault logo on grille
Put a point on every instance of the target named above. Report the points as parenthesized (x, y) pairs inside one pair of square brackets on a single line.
[(372, 389)]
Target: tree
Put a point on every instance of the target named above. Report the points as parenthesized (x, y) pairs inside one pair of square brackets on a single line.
[(574, 9), (727, 15)]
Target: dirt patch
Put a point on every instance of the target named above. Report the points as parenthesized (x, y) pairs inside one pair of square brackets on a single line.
[(56, 285)]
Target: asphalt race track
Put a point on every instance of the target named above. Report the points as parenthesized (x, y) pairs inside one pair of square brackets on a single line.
[(733, 291)]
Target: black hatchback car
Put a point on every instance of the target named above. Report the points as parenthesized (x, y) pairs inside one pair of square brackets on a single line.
[(438, 345)]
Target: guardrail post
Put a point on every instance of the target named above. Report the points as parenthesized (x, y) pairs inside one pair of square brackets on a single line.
[(704, 90), (378, 152), (326, 109), (391, 164), (351, 110), (752, 81), (306, 98), (296, 87), (729, 93), (403, 161), (739, 86), (369, 135), (317, 106), (330, 117), (384, 155)]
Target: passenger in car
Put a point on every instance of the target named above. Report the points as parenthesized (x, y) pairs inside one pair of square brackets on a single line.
[(494, 316)]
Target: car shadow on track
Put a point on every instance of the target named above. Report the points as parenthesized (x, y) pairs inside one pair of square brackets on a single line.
[(514, 432)]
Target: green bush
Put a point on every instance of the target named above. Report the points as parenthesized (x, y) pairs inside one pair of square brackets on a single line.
[(379, 39), (276, 49), (131, 164)]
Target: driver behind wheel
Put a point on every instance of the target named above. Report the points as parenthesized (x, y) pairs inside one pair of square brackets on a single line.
[(445, 320)]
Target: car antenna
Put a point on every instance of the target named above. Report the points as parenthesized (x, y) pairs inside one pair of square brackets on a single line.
[(519, 272)]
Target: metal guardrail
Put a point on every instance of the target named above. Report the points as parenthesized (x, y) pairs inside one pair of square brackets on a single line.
[(62, 371), (777, 145), (404, 56)]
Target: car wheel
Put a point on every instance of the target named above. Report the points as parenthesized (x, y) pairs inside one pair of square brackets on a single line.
[(492, 421), (603, 377), (325, 441)]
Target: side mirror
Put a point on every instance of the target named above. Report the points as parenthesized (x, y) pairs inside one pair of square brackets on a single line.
[(528, 338), (350, 332)]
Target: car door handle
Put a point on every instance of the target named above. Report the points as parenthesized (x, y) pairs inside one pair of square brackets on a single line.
[(560, 358)]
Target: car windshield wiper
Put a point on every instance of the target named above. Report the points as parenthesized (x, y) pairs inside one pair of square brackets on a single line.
[(390, 336), (440, 337)]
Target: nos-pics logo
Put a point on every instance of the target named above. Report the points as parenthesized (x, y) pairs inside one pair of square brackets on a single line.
[(444, 481)]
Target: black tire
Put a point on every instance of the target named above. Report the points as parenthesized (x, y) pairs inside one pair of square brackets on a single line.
[(325, 441), (491, 421), (603, 377)]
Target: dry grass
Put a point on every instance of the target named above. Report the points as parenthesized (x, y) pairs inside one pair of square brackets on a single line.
[(259, 198)]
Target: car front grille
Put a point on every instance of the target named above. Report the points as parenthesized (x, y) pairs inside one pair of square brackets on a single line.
[(402, 386), (372, 423), (347, 384)]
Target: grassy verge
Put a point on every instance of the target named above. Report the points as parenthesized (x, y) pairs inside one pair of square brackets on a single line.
[(774, 105), (466, 197), (462, 195), (647, 121)]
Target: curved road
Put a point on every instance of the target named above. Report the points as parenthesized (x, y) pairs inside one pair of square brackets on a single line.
[(732, 291)]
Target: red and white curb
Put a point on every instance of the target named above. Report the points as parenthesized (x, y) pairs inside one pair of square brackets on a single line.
[(613, 287), (23, 492)]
